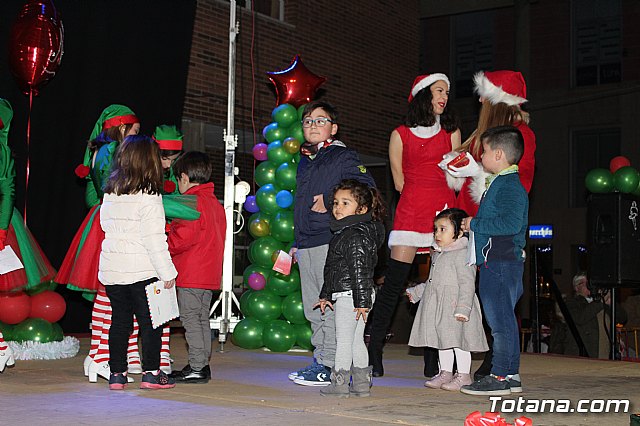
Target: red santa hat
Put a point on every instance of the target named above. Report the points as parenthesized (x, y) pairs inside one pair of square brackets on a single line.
[(424, 81), (501, 87)]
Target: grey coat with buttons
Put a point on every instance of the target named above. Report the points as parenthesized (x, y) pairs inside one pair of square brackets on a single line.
[(449, 291)]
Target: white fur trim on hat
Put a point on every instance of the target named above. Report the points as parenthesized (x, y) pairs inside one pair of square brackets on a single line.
[(410, 239), (428, 81), (494, 94)]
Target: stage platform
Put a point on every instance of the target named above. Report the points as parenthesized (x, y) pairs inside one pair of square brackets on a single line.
[(251, 388)]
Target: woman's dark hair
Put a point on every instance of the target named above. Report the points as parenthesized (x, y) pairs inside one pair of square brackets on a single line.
[(455, 216), (365, 196), (420, 113), (196, 165), (136, 167), (109, 135)]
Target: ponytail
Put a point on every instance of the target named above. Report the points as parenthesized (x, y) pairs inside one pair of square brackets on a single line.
[(378, 209)]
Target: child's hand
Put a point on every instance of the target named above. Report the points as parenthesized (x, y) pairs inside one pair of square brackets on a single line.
[(361, 312), (294, 254), (323, 303), (318, 204), (461, 318), (466, 224), (169, 284), (409, 295)]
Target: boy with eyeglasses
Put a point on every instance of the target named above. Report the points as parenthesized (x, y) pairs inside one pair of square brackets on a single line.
[(324, 163)]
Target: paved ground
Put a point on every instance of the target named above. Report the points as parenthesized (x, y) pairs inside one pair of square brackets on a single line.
[(251, 387)]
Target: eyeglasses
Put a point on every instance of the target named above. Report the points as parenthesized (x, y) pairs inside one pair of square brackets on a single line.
[(319, 122)]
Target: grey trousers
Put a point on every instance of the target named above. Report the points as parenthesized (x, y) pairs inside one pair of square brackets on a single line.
[(194, 306), (349, 335), (323, 338)]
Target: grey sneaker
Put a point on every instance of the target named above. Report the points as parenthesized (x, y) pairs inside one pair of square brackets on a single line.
[(488, 385), (515, 383)]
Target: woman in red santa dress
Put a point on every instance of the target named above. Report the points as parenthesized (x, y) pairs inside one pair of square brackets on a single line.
[(501, 94), (429, 131)]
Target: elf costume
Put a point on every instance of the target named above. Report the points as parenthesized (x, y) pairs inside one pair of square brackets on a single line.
[(13, 232)]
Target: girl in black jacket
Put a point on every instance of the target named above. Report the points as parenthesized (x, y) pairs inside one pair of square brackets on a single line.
[(358, 212)]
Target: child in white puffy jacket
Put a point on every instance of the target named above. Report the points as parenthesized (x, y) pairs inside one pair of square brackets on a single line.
[(134, 254)]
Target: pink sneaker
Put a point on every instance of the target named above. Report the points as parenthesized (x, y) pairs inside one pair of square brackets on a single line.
[(459, 380), (439, 379)]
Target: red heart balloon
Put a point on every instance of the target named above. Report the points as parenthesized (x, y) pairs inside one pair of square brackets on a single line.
[(36, 45), (295, 85)]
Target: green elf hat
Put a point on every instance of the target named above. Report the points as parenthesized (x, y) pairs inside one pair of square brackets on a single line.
[(6, 114), (169, 138), (112, 116)]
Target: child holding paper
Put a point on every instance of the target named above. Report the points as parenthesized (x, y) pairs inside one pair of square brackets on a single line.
[(134, 254), (197, 248)]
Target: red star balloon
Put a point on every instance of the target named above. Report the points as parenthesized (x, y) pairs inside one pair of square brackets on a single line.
[(295, 85)]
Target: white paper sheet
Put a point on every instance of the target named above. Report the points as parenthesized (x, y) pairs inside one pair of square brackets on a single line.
[(9, 260), (163, 303)]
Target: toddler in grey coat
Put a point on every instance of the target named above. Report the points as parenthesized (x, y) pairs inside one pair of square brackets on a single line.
[(449, 316)]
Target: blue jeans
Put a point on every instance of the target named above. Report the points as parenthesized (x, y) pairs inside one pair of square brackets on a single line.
[(500, 290)]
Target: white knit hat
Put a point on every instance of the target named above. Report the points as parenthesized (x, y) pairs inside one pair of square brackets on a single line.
[(424, 81)]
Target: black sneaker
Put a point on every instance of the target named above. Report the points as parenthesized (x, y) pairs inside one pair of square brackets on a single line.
[(157, 380), (515, 383), (488, 385), (117, 381)]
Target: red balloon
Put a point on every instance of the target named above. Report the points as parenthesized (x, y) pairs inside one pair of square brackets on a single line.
[(36, 45), (14, 307), (295, 85), (48, 305), (618, 162)]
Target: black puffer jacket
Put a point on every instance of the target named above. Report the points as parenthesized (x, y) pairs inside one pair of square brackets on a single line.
[(352, 257)]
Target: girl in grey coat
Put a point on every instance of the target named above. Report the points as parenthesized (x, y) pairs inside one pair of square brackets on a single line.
[(449, 316)]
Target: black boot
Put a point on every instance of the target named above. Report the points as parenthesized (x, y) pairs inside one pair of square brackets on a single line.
[(431, 367), (383, 309)]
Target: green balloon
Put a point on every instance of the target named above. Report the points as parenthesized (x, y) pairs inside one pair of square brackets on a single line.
[(277, 154), (636, 191), (285, 115), (282, 226), (259, 228), (286, 175), (599, 181), (261, 251), (264, 305), (303, 335), (6, 330), (58, 334), (266, 198), (33, 329), (300, 111), (266, 273), (296, 158), (279, 336), (244, 298), (626, 179), (284, 285), (292, 308), (248, 334), (296, 132), (273, 132), (265, 173)]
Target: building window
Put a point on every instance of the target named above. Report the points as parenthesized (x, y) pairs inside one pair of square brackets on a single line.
[(271, 8), (590, 149), (597, 42), (473, 48)]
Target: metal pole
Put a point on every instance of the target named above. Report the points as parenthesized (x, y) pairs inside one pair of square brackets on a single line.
[(224, 323)]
